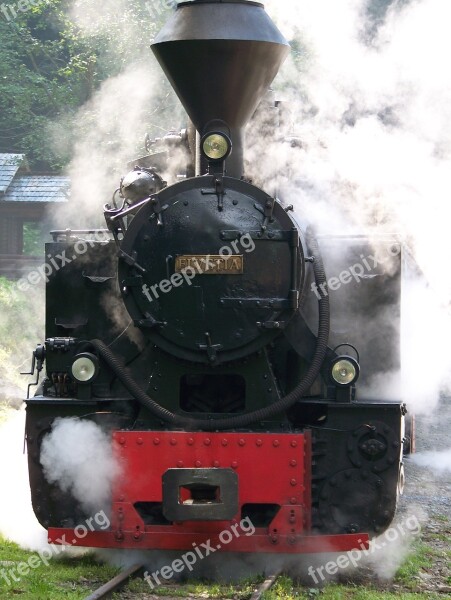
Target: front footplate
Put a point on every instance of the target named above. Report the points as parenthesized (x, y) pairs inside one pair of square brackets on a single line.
[(241, 492)]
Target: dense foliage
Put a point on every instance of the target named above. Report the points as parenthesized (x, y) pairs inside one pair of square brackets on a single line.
[(21, 318), (56, 54), (32, 239), (52, 64)]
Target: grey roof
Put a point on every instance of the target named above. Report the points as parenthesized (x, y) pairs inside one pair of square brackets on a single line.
[(9, 165), (38, 188)]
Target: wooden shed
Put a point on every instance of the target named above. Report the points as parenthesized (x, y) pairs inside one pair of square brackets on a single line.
[(25, 199)]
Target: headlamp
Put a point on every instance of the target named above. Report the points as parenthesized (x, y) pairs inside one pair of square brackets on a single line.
[(85, 367), (345, 370), (216, 146)]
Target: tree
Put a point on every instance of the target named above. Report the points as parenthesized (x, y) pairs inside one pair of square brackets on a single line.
[(54, 57)]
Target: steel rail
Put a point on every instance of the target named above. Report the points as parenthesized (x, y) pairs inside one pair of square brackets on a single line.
[(117, 583), (265, 586)]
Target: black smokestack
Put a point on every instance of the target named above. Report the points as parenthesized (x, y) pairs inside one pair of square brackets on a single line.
[(221, 56)]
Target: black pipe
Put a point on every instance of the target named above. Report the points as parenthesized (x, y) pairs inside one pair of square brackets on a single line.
[(238, 421)]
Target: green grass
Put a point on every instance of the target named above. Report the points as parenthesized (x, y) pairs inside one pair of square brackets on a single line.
[(442, 518), (338, 592), (421, 558), (441, 537), (69, 578), (285, 589), (198, 589), (75, 578)]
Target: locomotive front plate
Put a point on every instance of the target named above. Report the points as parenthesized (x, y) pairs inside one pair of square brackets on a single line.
[(168, 282), (208, 264)]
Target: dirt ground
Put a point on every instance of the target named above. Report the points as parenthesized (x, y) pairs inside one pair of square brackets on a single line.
[(430, 490)]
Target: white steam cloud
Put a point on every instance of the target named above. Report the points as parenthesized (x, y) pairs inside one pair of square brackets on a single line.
[(369, 98), (78, 456), (438, 461), (17, 520), (112, 124), (110, 128)]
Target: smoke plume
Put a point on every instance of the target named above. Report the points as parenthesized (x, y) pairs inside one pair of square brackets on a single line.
[(17, 520), (78, 456), (438, 461), (111, 126), (366, 97), (109, 130)]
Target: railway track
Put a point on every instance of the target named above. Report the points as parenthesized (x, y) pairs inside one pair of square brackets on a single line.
[(121, 580), (265, 586), (117, 583)]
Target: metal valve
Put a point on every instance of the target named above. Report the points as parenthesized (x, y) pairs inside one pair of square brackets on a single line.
[(37, 364)]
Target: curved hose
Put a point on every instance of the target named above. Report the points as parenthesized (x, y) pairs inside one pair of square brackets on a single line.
[(238, 421)]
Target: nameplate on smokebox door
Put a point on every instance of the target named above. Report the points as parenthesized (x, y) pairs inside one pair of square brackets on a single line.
[(210, 264)]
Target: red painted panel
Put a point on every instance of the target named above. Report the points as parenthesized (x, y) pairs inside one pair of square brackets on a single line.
[(272, 469), (270, 466), (259, 542)]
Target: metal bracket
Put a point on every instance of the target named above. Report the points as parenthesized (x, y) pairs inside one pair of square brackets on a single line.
[(212, 349), (218, 182), (271, 235), (157, 209), (256, 303), (96, 278), (149, 322), (294, 293), (70, 324), (60, 344), (115, 224), (129, 282), (269, 210), (131, 260), (272, 324)]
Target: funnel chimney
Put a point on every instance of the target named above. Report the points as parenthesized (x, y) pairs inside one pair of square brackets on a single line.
[(221, 56)]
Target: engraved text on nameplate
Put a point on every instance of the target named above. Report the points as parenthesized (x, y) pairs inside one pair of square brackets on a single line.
[(210, 264)]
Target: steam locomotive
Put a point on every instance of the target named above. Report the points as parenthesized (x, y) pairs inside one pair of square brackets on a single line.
[(240, 385)]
